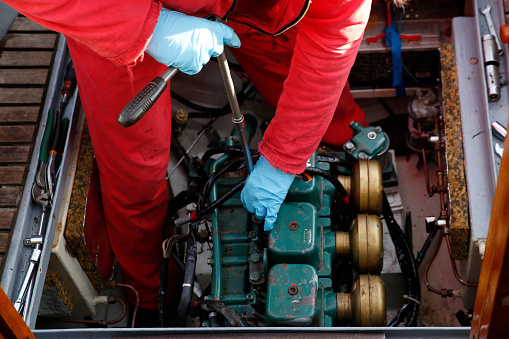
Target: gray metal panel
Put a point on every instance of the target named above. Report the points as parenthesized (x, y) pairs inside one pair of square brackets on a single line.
[(18, 257), (266, 332), (7, 17), (479, 158)]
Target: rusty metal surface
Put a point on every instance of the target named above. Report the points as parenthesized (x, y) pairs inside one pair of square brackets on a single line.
[(76, 214), (458, 195)]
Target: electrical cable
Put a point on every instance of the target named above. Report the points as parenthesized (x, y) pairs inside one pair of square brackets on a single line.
[(231, 316), (332, 179), (189, 277), (331, 158), (223, 149), (422, 253), (406, 260)]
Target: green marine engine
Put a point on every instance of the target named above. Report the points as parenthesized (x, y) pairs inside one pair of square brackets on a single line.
[(318, 266)]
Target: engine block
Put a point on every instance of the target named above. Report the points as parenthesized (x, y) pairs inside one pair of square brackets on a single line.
[(318, 266)]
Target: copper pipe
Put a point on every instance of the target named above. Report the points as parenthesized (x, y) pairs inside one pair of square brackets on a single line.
[(440, 173), (423, 154), (453, 263), (100, 322), (428, 265), (137, 302)]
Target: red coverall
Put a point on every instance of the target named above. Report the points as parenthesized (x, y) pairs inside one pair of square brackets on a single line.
[(107, 40)]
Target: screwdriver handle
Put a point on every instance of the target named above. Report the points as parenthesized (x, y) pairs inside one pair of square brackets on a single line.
[(43, 154), (498, 130), (145, 99), (69, 80)]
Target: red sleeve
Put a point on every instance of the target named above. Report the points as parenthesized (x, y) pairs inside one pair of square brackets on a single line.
[(327, 44), (116, 30)]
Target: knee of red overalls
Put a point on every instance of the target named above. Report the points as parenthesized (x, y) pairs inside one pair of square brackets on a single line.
[(132, 164), (266, 60)]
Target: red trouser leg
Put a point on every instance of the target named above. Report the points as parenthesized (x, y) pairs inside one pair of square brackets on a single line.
[(266, 60), (132, 164)]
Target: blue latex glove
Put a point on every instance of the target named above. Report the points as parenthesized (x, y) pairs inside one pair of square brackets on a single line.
[(265, 190), (187, 42)]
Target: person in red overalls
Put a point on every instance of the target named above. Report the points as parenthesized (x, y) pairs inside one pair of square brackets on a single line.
[(119, 46)]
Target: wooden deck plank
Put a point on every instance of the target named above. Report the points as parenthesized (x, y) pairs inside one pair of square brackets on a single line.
[(14, 154), (25, 58), (28, 40), (4, 237), (12, 175), (6, 218), (25, 24), (9, 196), (17, 134), (23, 76), (21, 95), (22, 114)]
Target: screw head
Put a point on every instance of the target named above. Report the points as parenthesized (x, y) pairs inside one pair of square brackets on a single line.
[(372, 135), (349, 146), (293, 226), (378, 129), (255, 257), (363, 156), (255, 276), (249, 297), (293, 289)]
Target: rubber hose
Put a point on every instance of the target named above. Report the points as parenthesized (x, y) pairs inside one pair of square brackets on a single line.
[(163, 284), (333, 180), (407, 264), (189, 275)]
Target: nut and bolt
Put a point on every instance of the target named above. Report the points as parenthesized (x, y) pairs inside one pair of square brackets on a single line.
[(372, 135), (181, 116), (363, 156), (349, 146), (255, 257), (293, 226), (293, 290), (249, 297), (432, 224), (255, 276)]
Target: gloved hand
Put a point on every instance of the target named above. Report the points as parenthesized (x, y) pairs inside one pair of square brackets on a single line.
[(265, 190), (187, 42)]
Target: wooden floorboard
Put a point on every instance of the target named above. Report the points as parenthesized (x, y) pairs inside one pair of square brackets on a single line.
[(28, 41), (7, 218), (25, 58), (23, 76), (21, 95), (17, 114), (26, 54)]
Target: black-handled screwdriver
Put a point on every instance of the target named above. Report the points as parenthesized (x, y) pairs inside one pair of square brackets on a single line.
[(69, 85), (145, 99)]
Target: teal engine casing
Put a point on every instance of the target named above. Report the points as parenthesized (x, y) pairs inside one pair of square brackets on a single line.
[(320, 264)]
